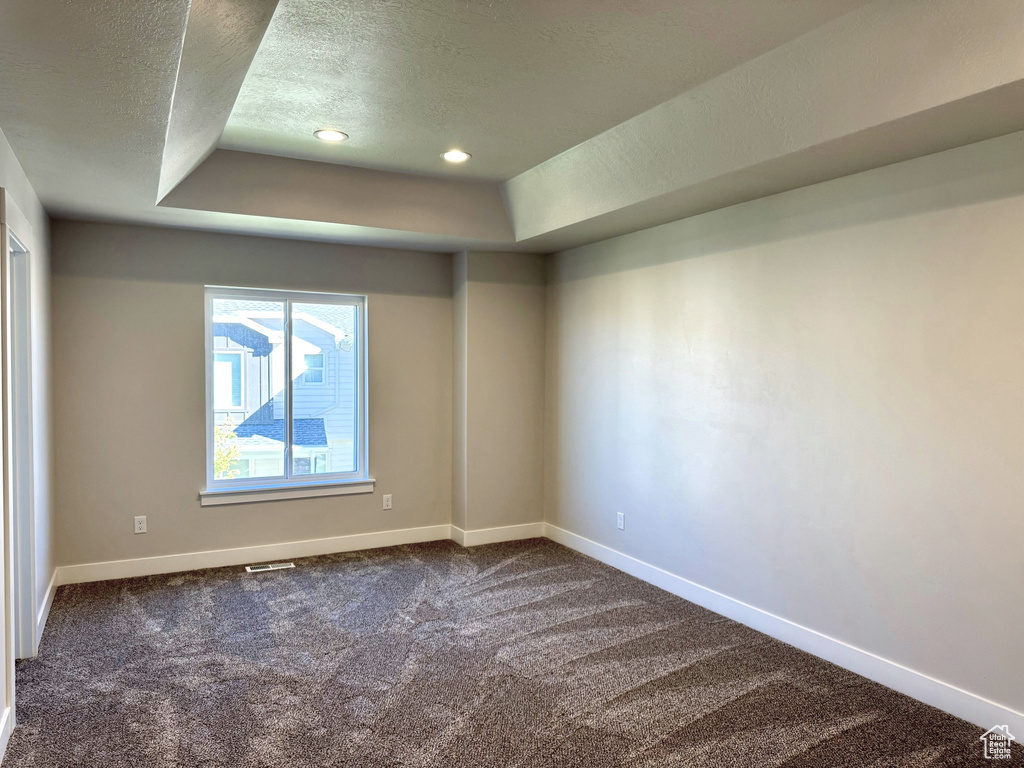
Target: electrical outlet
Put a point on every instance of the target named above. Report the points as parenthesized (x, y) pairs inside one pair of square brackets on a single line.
[(387, 501), (140, 524), (620, 520)]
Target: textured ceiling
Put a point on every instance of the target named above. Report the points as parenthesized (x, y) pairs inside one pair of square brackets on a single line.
[(587, 118), (220, 40), (85, 93), (513, 82)]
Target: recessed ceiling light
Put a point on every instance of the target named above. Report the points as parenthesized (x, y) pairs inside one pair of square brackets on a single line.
[(456, 156), (329, 134)]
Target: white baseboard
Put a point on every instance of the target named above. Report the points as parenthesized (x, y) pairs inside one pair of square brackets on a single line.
[(6, 728), (495, 535), (44, 609), (150, 566), (949, 698)]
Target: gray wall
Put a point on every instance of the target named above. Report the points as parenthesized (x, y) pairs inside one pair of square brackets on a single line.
[(814, 403), (499, 385), (128, 359), (460, 311)]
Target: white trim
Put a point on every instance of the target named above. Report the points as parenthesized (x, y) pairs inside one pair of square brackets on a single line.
[(6, 729), (190, 561), (7, 545), (20, 464), (44, 609), (218, 496), (949, 698), (494, 535)]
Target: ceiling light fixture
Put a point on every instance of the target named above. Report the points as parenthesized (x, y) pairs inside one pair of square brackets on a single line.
[(329, 134), (456, 156)]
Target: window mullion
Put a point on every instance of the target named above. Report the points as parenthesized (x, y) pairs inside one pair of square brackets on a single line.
[(288, 390)]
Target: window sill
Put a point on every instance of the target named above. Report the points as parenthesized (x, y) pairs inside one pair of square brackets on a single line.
[(219, 496)]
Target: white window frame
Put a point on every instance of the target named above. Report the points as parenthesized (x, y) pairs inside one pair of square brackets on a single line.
[(239, 490)]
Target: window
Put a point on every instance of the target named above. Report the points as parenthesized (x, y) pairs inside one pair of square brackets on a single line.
[(240, 468), (314, 464), (227, 380), (314, 373), (265, 428)]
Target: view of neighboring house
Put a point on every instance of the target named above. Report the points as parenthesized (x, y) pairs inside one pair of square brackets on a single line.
[(248, 388)]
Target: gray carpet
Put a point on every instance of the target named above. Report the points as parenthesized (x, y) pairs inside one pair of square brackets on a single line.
[(523, 654)]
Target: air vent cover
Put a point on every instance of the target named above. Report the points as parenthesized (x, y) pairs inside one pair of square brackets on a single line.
[(268, 567)]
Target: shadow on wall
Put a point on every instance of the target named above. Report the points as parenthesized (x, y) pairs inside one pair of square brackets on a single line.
[(976, 173), (505, 268), (122, 252)]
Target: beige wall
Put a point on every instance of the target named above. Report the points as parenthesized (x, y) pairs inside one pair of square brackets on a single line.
[(30, 223), (499, 303), (129, 388), (814, 403)]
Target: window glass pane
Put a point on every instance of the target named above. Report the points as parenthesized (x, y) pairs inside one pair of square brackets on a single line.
[(248, 370), (324, 394)]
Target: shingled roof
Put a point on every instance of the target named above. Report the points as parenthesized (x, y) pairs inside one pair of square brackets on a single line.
[(339, 316), (307, 433)]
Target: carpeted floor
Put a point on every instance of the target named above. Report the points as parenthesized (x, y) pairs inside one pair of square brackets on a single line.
[(523, 654)]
